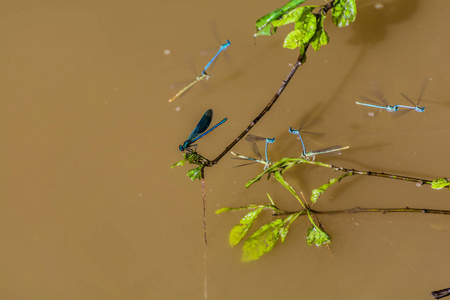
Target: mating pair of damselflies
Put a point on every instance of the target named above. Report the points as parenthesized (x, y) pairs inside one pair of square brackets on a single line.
[(383, 104), (203, 76), (392, 108)]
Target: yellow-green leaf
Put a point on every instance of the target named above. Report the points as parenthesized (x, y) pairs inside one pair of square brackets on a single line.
[(317, 236), (316, 193), (305, 29), (179, 164), (320, 38), (343, 12), (238, 232), (195, 173), (440, 183), (287, 222), (263, 24), (262, 241)]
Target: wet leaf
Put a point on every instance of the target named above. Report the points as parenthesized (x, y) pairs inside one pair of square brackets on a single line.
[(305, 29), (343, 12), (316, 193), (262, 241), (225, 209), (179, 164), (320, 38), (195, 173), (287, 222), (238, 232), (440, 183), (251, 206), (283, 182), (317, 236), (283, 165), (264, 26), (194, 158), (293, 16)]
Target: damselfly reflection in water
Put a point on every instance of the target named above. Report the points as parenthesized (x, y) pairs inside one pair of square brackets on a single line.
[(333, 150), (203, 76), (200, 130), (253, 139)]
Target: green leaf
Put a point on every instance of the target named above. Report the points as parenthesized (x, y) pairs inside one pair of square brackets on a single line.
[(238, 232), (287, 222), (283, 182), (293, 16), (316, 193), (195, 158), (224, 209), (440, 183), (195, 173), (317, 236), (320, 38), (283, 164), (270, 199), (305, 29), (343, 12), (179, 164), (192, 158), (251, 206), (263, 24), (262, 241)]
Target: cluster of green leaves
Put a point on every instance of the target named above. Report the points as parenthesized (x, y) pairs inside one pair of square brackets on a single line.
[(264, 239), (192, 158), (440, 183), (308, 26), (283, 165)]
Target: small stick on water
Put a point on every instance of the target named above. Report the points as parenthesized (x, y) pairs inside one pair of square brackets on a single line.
[(441, 293)]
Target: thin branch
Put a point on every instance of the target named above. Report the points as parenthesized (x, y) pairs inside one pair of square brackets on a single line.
[(285, 82), (300, 60), (368, 210), (382, 174)]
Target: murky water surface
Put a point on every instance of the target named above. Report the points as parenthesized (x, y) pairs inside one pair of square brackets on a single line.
[(91, 210)]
